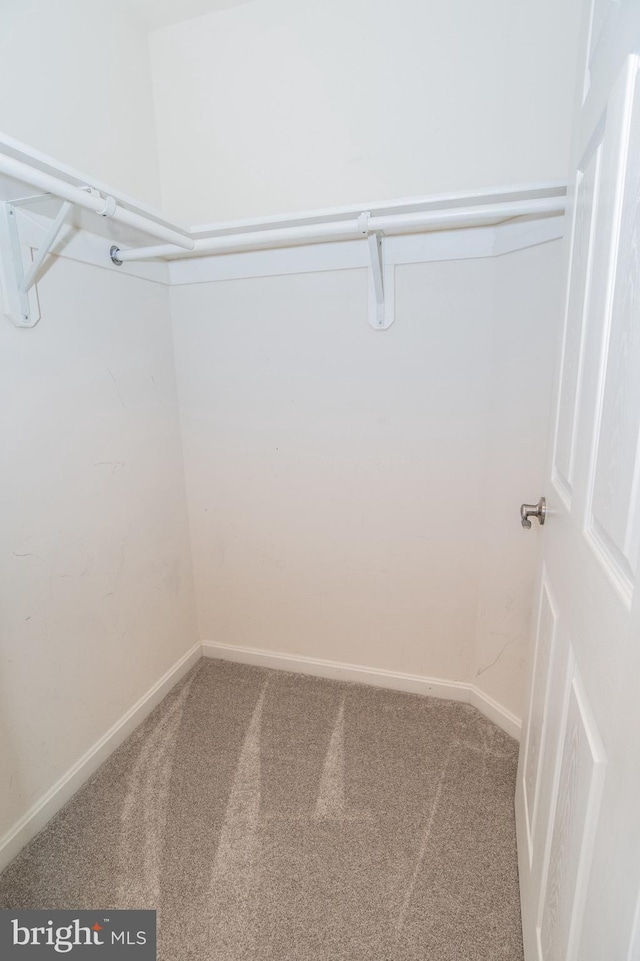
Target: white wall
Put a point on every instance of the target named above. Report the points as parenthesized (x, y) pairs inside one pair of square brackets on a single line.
[(344, 500), (75, 81), (96, 572), (327, 464), (278, 105)]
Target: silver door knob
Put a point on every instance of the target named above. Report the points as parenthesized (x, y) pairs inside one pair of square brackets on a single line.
[(538, 510)]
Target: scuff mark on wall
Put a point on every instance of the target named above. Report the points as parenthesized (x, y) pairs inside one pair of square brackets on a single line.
[(492, 663), (115, 384)]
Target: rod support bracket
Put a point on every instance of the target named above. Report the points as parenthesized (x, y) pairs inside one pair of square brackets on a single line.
[(363, 223), (381, 283), (114, 250), (21, 261), (109, 208)]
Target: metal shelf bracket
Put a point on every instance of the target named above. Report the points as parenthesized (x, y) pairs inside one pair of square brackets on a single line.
[(381, 284), (19, 267)]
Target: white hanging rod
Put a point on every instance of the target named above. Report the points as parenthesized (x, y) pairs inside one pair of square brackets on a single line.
[(410, 215), (104, 205), (351, 229)]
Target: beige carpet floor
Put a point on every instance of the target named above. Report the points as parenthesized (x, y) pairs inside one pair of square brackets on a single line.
[(277, 817)]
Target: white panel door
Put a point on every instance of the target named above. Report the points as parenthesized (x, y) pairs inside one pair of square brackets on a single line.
[(578, 794)]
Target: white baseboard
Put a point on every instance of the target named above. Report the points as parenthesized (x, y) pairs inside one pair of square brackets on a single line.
[(396, 681), (50, 803), (495, 711)]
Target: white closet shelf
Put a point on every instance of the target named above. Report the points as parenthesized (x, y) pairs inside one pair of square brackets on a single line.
[(20, 165), (25, 166)]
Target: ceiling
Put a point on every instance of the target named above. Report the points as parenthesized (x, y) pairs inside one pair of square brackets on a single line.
[(160, 13)]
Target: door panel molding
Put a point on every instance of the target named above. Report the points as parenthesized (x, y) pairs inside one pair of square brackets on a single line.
[(614, 475), (583, 232), (568, 855), (535, 739)]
